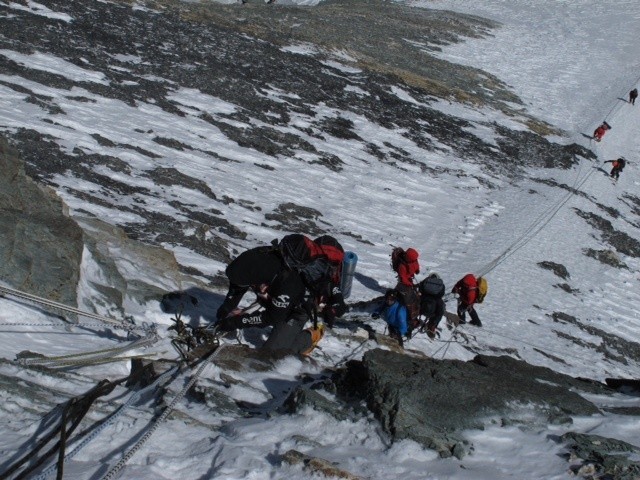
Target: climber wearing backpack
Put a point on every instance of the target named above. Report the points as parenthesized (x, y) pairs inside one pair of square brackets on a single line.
[(329, 297), (395, 314), (618, 165), (431, 303), (470, 290), (600, 131), (405, 264), (285, 294)]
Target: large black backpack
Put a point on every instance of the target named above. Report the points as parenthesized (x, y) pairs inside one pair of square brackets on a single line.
[(432, 286), (334, 252), (315, 262)]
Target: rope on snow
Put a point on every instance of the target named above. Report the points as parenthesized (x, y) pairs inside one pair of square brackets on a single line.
[(123, 324)]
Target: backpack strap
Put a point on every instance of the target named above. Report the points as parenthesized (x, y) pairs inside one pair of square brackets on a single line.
[(311, 310)]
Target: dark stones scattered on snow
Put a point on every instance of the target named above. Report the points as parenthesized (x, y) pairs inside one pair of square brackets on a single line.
[(594, 456), (621, 241), (316, 465), (558, 269), (611, 346), (233, 52), (607, 257)]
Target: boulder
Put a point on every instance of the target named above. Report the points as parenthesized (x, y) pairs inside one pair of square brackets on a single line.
[(433, 401)]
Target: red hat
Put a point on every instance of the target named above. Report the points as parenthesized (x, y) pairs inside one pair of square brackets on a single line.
[(411, 255)]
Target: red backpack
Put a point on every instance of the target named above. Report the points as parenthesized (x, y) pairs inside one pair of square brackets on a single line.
[(334, 252), (469, 290)]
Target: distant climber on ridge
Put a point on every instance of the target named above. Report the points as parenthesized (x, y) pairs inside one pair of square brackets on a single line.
[(618, 165), (600, 131), (633, 94)]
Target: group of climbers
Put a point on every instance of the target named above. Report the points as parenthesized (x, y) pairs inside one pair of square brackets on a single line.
[(296, 282), (619, 163), (298, 279), (410, 305)]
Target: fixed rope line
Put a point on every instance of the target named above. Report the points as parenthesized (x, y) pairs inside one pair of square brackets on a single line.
[(617, 104), (26, 324), (73, 411), (447, 343), (541, 348), (127, 456), (131, 401), (548, 214), (88, 358), (351, 354), (542, 221), (100, 361), (60, 306)]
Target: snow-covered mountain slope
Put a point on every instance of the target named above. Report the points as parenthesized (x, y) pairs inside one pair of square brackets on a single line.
[(204, 140)]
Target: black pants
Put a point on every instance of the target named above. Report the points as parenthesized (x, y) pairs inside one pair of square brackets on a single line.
[(395, 333), (290, 335), (463, 309), (433, 309), (615, 173)]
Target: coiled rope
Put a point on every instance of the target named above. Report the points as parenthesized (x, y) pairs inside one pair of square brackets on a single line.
[(147, 335), (88, 358)]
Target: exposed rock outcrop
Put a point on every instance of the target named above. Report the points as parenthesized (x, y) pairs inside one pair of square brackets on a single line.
[(433, 401), (40, 246)]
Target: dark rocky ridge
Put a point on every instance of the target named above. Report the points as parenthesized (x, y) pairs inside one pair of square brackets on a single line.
[(435, 402), (41, 247)]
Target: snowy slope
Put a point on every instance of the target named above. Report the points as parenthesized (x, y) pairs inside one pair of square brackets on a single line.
[(545, 52)]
